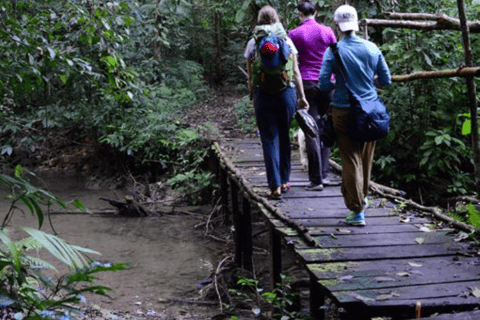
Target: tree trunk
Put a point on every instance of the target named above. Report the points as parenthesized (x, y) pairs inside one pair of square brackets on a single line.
[(157, 50), (472, 94), (218, 47)]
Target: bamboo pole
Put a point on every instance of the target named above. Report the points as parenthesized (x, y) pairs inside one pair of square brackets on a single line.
[(472, 91), (422, 75), (439, 17), (416, 25)]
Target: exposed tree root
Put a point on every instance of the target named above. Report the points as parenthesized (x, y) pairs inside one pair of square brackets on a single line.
[(398, 195)]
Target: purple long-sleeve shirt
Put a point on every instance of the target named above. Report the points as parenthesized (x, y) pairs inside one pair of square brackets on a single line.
[(311, 40)]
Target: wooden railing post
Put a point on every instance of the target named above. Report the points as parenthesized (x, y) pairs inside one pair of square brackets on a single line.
[(472, 91)]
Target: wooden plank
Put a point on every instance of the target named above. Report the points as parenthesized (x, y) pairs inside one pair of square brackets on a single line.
[(383, 239), (467, 315), (372, 222), (397, 273), (399, 269), (381, 252), (378, 297), (341, 230), (302, 212), (335, 201), (403, 309)]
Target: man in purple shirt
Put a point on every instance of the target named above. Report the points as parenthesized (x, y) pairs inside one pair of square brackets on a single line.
[(311, 40)]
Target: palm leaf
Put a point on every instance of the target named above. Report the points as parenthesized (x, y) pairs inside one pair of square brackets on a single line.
[(60, 249)]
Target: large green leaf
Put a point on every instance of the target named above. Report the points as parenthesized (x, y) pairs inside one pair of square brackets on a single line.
[(243, 11), (71, 255)]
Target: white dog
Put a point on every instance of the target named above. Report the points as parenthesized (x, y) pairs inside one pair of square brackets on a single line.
[(300, 136)]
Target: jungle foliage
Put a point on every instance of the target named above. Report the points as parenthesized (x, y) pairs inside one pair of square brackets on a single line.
[(122, 73)]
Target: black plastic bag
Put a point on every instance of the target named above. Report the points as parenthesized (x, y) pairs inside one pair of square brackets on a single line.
[(306, 122)]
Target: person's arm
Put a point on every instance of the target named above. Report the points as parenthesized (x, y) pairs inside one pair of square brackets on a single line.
[(249, 71), (384, 78), (326, 72), (302, 103)]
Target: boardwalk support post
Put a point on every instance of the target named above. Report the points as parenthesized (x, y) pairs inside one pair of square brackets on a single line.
[(242, 221), (276, 256), (237, 223), (317, 299), (224, 194), (247, 258)]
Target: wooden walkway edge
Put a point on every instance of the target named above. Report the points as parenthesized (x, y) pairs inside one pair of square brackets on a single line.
[(397, 265)]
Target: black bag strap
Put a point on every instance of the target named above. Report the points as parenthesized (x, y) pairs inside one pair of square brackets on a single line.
[(341, 67)]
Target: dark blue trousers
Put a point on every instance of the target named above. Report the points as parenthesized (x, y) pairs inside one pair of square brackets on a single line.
[(274, 113), (318, 155)]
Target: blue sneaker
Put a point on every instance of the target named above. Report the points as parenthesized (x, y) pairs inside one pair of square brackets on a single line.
[(356, 219)]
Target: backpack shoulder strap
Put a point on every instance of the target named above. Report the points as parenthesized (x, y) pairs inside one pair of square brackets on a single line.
[(341, 67)]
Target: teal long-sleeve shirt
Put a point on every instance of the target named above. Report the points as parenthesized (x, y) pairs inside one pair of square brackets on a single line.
[(362, 60)]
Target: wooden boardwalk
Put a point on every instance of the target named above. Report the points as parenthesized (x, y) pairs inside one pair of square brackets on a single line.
[(395, 266)]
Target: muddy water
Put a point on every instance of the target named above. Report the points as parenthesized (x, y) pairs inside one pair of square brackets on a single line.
[(167, 256)]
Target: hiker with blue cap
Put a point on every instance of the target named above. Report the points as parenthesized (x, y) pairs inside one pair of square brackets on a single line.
[(362, 61), (272, 75)]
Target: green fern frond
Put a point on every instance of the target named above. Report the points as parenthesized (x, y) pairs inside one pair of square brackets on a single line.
[(30, 244), (456, 217), (36, 262), (473, 216)]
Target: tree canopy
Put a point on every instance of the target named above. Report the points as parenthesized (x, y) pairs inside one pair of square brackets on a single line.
[(122, 72)]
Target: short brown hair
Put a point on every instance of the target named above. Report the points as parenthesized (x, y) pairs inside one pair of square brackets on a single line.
[(267, 15)]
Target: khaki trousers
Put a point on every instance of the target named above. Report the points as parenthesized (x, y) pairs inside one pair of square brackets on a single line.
[(357, 159)]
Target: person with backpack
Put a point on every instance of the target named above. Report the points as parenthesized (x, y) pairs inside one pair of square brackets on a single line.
[(363, 61), (272, 70), (311, 40)]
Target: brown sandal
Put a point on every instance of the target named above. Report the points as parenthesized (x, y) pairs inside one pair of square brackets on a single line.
[(285, 187), (274, 195)]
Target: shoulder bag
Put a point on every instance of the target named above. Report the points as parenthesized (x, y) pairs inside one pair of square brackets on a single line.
[(369, 120)]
